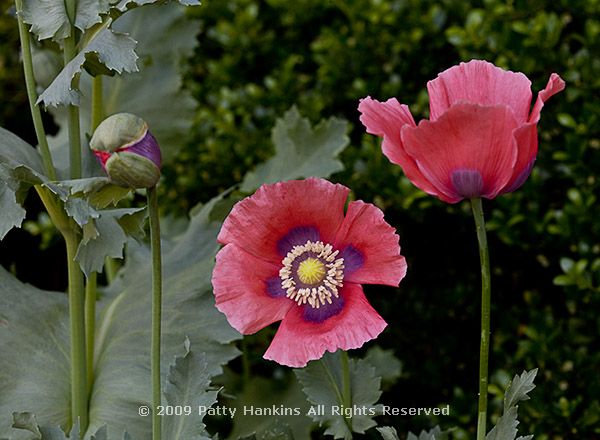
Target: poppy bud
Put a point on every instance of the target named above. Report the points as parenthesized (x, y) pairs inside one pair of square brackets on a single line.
[(127, 151)]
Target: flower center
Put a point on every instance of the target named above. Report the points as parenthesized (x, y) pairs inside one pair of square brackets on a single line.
[(311, 274), (311, 271)]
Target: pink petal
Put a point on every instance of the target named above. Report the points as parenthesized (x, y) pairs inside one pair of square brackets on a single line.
[(241, 291), (479, 82), (526, 135), (298, 341), (555, 85), (259, 222), (468, 149), (370, 247), (386, 119)]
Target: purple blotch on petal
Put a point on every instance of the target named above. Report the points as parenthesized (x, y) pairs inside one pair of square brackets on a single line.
[(274, 289), (353, 259), (467, 183), (324, 312), (297, 236), (146, 147), (521, 178)]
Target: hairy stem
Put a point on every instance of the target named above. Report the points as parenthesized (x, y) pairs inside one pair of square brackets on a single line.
[(156, 310), (32, 95), (79, 382), (486, 288)]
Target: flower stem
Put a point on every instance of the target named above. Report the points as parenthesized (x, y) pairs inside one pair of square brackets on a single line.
[(32, 95), (92, 281), (343, 397), (346, 391), (111, 268), (69, 52), (156, 309), (90, 326), (97, 102), (79, 383), (486, 288)]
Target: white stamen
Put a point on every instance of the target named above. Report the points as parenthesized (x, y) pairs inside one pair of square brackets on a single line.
[(329, 287)]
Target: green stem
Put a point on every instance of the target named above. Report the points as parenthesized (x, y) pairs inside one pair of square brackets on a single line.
[(97, 101), (346, 391), (79, 383), (90, 326), (111, 267), (69, 52), (486, 288), (246, 368), (156, 309), (32, 95), (92, 282), (340, 395), (55, 210)]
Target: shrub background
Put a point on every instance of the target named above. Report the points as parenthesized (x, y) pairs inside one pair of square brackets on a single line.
[(257, 58)]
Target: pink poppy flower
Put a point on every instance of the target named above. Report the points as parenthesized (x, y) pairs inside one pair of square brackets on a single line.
[(292, 255), (480, 140)]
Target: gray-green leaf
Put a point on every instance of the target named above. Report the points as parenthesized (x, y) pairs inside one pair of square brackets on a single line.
[(20, 163), (113, 50), (386, 364), (434, 434), (107, 239), (49, 18), (188, 385), (124, 5), (300, 150), (519, 387), (322, 383), (388, 433), (506, 427), (34, 330)]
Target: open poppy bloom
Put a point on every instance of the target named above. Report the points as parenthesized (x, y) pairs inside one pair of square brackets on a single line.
[(291, 255), (480, 140)]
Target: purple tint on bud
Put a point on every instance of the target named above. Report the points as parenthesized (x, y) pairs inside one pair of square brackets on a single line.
[(467, 183), (146, 147), (520, 180)]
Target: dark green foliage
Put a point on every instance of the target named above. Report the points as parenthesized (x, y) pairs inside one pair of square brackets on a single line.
[(257, 58)]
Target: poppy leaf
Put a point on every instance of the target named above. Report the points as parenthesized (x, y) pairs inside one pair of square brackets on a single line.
[(49, 19), (323, 388), (113, 50), (301, 150), (388, 433), (188, 386), (34, 329)]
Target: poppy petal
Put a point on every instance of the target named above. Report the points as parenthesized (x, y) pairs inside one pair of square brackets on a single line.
[(465, 141), (555, 85), (245, 291), (527, 138), (370, 247), (259, 223), (479, 82), (386, 119), (300, 339)]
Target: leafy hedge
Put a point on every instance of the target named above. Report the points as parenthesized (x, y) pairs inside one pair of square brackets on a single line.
[(257, 58)]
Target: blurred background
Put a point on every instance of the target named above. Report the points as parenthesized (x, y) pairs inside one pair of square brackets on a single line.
[(257, 58)]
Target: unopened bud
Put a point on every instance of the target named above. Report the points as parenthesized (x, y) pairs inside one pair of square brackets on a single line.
[(127, 151)]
